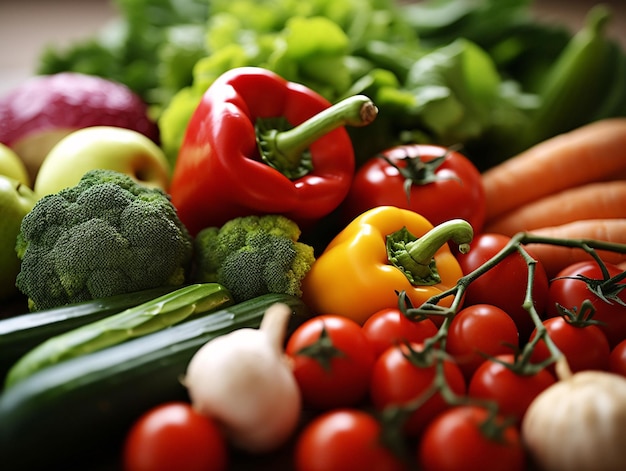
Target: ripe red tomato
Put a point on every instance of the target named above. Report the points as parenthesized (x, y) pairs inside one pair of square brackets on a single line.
[(390, 326), (173, 436), (504, 285), (512, 391), (479, 331), (396, 380), (570, 293), (344, 439), (456, 440), (332, 361), (617, 360), (586, 348), (444, 185)]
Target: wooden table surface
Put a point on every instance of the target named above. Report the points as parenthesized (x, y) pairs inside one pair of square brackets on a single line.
[(26, 26)]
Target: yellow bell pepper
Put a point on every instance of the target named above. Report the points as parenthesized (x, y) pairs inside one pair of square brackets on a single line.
[(384, 251)]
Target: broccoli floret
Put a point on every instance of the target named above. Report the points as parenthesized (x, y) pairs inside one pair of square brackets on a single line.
[(253, 255), (107, 235)]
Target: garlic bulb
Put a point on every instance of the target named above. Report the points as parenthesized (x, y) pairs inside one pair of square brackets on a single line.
[(244, 381), (579, 423)]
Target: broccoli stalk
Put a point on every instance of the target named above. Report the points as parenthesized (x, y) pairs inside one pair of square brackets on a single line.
[(107, 235), (253, 255)]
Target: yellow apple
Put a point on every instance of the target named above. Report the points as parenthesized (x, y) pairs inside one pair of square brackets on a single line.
[(102, 147), (12, 166), (16, 200)]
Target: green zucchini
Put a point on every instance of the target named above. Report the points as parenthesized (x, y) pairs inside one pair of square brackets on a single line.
[(82, 408), (146, 318), (23, 332)]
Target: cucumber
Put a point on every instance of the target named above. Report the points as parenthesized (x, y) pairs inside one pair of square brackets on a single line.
[(82, 408), (23, 332), (151, 316)]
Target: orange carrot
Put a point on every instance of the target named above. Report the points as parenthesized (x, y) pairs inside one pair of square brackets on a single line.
[(605, 200), (555, 258), (594, 152)]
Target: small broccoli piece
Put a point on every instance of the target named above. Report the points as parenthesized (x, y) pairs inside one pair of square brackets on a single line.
[(107, 235), (253, 255)]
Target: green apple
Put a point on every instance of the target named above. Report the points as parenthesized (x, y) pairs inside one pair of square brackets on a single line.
[(12, 166), (16, 200), (104, 147)]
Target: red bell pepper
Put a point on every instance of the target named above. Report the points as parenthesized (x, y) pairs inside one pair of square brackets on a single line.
[(239, 158)]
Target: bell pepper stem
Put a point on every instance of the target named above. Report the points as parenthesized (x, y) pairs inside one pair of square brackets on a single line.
[(415, 257), (285, 149), (458, 231)]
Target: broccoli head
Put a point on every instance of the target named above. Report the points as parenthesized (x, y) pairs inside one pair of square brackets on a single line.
[(253, 255), (107, 235)]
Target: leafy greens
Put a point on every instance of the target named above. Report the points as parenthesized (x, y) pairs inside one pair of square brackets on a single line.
[(454, 72)]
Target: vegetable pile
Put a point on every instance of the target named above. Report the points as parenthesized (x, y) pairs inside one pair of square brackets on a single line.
[(485, 74), (390, 238)]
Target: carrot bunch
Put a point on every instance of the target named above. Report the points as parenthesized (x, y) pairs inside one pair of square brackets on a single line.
[(570, 186)]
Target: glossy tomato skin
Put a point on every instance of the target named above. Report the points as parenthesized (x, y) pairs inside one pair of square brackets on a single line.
[(586, 348), (389, 327), (512, 391), (344, 381), (454, 441), (570, 293), (341, 440), (479, 331), (172, 437), (398, 381), (617, 360), (457, 192), (504, 285)]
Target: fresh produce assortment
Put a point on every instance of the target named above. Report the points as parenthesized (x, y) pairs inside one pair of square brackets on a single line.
[(485, 74), (111, 388), (46, 108), (367, 236)]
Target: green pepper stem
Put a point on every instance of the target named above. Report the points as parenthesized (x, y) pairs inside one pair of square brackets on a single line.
[(458, 231), (415, 256), (284, 149)]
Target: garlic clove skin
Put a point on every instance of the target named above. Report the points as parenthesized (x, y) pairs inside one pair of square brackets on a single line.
[(579, 424)]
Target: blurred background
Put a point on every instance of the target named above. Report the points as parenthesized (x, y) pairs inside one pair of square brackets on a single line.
[(26, 26)]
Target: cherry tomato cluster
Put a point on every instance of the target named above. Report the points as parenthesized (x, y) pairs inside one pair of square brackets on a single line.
[(404, 392), (452, 397)]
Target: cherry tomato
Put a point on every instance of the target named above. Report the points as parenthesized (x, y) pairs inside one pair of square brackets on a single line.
[(344, 439), (617, 360), (444, 185), (456, 440), (512, 391), (586, 348), (332, 361), (570, 293), (504, 285), (390, 326), (172, 437), (479, 331), (396, 380)]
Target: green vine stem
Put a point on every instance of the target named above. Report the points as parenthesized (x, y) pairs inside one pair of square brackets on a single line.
[(396, 415)]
